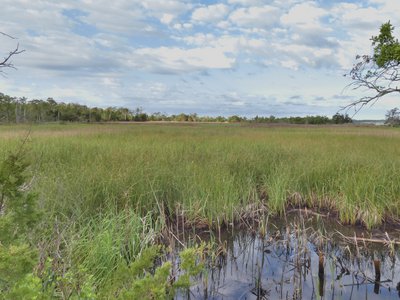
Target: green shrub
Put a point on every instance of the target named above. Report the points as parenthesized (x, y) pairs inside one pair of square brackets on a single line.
[(18, 217)]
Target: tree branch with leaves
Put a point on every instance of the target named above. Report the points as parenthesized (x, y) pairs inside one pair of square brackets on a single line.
[(377, 73)]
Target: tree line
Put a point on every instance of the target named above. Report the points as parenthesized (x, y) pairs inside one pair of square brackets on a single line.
[(22, 110)]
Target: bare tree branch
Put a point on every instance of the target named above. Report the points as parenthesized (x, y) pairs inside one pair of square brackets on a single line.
[(7, 35), (379, 80), (6, 62)]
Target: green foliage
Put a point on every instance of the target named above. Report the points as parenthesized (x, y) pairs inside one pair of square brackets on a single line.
[(191, 266), (314, 120), (15, 262), (125, 275), (378, 73), (209, 172), (20, 110), (107, 190), (341, 119), (29, 287), (110, 240), (150, 287), (74, 283), (235, 119), (18, 217), (386, 46), (141, 280), (18, 214)]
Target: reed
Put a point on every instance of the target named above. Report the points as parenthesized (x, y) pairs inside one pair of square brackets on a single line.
[(212, 171)]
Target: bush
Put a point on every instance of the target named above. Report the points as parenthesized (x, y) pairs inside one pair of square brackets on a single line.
[(18, 217)]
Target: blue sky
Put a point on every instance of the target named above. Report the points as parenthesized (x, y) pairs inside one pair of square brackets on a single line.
[(246, 57)]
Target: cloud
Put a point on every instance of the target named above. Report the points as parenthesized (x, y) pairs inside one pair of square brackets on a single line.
[(306, 26), (199, 39), (176, 7), (319, 98), (121, 17), (166, 11), (295, 56), (255, 16), (305, 16), (19, 17), (176, 60), (246, 2), (357, 24), (291, 103), (167, 18), (211, 13), (357, 17), (91, 49), (65, 52)]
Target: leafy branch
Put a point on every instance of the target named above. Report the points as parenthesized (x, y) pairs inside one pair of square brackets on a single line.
[(377, 73)]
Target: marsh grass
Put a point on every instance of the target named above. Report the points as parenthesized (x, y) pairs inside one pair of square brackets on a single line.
[(108, 192), (210, 171)]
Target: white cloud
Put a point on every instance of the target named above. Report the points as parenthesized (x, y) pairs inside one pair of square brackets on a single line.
[(167, 18), (305, 16), (121, 17), (200, 39), (90, 49), (234, 45), (390, 8), (255, 16), (290, 64), (309, 25), (296, 56), (166, 11), (166, 6), (65, 52), (211, 13), (359, 23), (111, 82), (39, 16), (362, 18), (246, 2), (176, 60)]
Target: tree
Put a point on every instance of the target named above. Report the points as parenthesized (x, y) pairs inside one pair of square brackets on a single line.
[(341, 119), (378, 73), (393, 117), (7, 62)]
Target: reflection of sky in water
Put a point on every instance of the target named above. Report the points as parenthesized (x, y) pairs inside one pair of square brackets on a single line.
[(279, 270)]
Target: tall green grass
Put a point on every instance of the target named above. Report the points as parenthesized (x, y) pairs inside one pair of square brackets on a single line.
[(209, 171), (107, 191)]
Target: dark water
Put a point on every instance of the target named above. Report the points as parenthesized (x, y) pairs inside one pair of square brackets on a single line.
[(303, 260)]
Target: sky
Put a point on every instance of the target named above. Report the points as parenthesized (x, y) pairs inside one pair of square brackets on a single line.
[(244, 57)]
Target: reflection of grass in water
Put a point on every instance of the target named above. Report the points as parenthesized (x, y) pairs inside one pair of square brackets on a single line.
[(296, 262)]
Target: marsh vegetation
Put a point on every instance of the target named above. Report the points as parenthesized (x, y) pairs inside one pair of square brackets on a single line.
[(107, 193)]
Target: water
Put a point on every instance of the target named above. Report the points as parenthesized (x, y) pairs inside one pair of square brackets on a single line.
[(297, 261)]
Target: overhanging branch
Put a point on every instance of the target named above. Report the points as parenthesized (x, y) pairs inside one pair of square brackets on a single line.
[(6, 62), (379, 80)]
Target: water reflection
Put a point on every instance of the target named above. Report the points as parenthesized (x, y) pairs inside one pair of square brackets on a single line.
[(293, 263)]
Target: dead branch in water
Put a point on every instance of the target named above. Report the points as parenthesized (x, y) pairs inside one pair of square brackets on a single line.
[(357, 239)]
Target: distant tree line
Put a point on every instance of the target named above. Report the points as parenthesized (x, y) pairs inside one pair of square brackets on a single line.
[(22, 110)]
